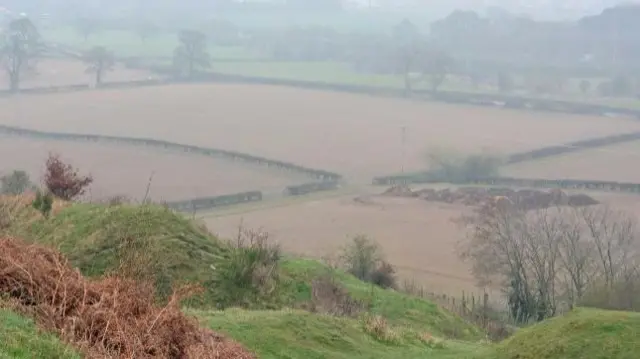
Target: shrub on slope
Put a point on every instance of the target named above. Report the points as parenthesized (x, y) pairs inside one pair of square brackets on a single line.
[(107, 318), (581, 334)]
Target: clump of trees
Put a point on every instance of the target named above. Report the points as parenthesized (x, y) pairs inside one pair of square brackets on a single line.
[(191, 55), (551, 259), (15, 183), (451, 167), (364, 259), (99, 60)]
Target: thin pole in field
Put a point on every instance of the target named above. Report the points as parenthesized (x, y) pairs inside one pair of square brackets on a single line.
[(404, 140)]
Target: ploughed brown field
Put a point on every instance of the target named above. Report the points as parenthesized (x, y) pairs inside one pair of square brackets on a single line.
[(358, 136), (123, 170), (417, 236), (63, 72), (611, 163), (420, 238)]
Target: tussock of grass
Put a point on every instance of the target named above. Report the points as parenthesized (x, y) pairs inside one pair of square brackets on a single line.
[(583, 333), (89, 236), (289, 334), (20, 339)]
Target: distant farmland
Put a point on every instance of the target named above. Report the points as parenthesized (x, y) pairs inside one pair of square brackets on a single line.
[(610, 163), (122, 170), (359, 136)]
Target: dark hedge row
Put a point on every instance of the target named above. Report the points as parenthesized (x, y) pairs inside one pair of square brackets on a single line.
[(204, 203), (236, 156)]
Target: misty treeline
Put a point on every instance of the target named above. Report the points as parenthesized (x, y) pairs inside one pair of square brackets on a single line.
[(547, 261), (596, 55)]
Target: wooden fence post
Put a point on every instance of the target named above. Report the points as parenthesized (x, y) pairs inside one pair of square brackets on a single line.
[(485, 309)]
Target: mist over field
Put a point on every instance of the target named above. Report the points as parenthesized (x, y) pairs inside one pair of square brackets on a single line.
[(334, 178)]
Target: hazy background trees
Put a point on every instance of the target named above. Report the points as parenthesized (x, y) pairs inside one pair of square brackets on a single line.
[(21, 44)]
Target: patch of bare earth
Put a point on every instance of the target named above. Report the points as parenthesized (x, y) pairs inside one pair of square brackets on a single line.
[(359, 136), (126, 170)]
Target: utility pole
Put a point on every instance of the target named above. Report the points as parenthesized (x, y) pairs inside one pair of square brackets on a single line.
[(404, 140)]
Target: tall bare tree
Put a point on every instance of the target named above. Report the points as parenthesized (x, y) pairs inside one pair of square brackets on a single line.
[(191, 55), (99, 61), (20, 47), (86, 27), (543, 256)]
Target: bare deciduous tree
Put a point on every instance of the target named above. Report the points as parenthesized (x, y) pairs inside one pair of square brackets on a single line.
[(99, 60), (544, 256), (20, 46)]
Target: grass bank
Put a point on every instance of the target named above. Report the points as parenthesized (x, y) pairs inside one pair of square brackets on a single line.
[(581, 334), (20, 339)]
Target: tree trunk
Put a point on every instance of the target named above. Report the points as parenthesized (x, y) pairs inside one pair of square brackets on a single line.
[(98, 77), (14, 82)]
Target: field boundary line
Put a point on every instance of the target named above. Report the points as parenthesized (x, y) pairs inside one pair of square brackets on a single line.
[(324, 180), (521, 157), (457, 97)]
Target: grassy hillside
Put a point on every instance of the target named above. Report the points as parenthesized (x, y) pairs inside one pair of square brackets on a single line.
[(89, 234), (399, 309), (95, 238), (19, 338), (581, 334), (291, 334)]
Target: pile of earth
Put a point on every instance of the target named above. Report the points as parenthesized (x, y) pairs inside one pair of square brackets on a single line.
[(526, 199)]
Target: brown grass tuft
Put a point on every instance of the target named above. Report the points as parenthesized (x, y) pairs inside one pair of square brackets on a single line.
[(106, 318)]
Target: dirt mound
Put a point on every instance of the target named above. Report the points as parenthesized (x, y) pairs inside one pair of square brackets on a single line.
[(107, 318), (399, 191), (526, 199)]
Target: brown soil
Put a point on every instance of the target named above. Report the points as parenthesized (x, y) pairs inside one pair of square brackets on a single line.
[(63, 72), (418, 237), (611, 163), (124, 170), (360, 136)]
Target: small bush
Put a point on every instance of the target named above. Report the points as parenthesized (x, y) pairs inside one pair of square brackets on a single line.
[(448, 167), (63, 181), (249, 275), (15, 183), (363, 259), (43, 203)]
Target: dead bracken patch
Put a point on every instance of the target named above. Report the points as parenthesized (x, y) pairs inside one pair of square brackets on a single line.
[(106, 318)]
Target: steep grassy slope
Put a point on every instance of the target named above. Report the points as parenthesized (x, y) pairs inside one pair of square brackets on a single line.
[(94, 237), (19, 338), (581, 334)]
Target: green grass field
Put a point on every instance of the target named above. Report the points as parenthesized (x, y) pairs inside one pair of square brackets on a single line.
[(413, 328), (20, 339), (128, 44)]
